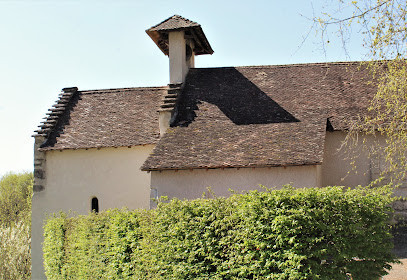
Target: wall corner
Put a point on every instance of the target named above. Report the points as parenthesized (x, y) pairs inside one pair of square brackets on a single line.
[(39, 165)]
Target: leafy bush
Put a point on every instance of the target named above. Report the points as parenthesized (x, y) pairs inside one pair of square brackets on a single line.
[(98, 246), (15, 197), (287, 234), (15, 258), (15, 226)]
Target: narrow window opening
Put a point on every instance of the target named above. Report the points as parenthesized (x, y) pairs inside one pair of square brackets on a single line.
[(95, 205)]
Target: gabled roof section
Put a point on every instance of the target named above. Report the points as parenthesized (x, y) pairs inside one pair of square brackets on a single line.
[(193, 30), (104, 118), (255, 116), (174, 23), (261, 116)]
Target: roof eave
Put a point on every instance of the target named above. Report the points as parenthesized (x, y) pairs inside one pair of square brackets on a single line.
[(229, 166), (157, 37), (44, 149)]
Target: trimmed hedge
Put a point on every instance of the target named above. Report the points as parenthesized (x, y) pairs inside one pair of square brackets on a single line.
[(286, 234), (98, 246)]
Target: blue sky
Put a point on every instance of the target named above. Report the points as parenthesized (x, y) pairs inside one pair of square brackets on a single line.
[(48, 45)]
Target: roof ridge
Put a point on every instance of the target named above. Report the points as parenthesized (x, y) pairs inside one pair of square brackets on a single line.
[(286, 65), (91, 91), (303, 64), (175, 17)]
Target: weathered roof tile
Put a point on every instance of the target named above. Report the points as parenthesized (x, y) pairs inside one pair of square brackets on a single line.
[(193, 30), (173, 23), (109, 118), (224, 117), (261, 115)]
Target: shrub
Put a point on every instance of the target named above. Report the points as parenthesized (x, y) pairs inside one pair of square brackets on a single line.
[(97, 246), (15, 258), (15, 198), (15, 226), (287, 234)]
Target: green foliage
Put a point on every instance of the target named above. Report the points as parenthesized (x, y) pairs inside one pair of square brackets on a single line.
[(318, 233), (383, 26), (98, 246), (15, 258), (380, 23), (15, 226), (15, 198), (54, 241), (390, 118)]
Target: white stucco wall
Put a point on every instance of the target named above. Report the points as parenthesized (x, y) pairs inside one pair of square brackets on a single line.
[(177, 56), (337, 167), (192, 184), (73, 177)]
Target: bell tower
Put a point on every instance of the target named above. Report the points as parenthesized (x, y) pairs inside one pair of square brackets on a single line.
[(181, 40)]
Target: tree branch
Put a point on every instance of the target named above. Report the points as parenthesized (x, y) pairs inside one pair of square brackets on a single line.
[(358, 15)]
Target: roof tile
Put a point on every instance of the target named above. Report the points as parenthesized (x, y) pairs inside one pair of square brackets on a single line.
[(173, 23), (261, 115), (110, 118)]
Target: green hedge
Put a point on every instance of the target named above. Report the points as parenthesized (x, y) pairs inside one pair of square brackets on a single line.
[(98, 246), (286, 234)]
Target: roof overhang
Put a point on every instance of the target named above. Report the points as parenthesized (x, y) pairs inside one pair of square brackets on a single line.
[(193, 31), (196, 34)]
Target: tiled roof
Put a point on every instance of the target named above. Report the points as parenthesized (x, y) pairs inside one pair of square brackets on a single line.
[(224, 117), (193, 30), (173, 23), (57, 113), (261, 115), (214, 141), (106, 118)]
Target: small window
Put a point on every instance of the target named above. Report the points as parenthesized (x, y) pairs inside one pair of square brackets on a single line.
[(95, 205)]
